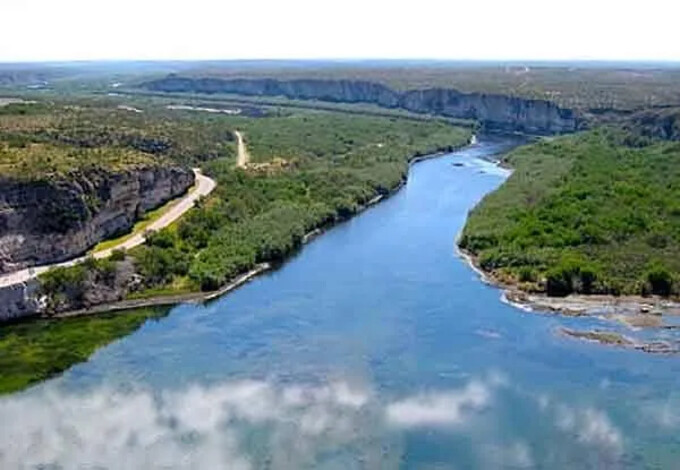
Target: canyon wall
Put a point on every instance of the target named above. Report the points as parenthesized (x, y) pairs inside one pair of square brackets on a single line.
[(48, 221), (494, 111)]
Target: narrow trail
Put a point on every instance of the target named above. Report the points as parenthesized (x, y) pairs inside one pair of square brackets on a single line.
[(204, 186), (243, 158)]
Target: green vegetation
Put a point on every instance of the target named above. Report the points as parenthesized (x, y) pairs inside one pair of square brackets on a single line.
[(332, 164), (35, 161), (70, 285), (310, 168), (587, 213), (65, 132), (140, 226), (356, 141), (36, 350), (279, 105), (575, 85)]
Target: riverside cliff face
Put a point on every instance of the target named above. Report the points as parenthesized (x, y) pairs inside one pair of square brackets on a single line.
[(497, 112), (49, 221)]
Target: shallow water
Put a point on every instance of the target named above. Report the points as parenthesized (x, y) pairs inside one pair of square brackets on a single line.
[(375, 347)]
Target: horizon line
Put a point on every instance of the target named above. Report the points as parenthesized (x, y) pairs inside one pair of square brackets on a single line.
[(344, 60)]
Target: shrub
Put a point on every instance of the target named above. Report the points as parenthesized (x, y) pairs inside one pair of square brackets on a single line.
[(118, 255), (659, 279), (159, 265), (571, 274), (162, 239), (527, 274)]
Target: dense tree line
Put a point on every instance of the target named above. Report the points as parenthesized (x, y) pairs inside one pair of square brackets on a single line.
[(341, 162), (588, 213)]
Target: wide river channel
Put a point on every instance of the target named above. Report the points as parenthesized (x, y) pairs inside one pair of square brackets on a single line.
[(375, 347)]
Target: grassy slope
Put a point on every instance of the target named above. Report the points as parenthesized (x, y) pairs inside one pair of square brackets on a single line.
[(34, 351), (584, 213)]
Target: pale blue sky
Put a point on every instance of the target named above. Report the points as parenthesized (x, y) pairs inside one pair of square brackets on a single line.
[(210, 29)]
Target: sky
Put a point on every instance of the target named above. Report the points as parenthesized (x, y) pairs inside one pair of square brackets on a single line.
[(36, 30)]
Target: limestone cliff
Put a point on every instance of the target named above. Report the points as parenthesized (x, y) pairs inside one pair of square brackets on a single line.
[(494, 111), (52, 220)]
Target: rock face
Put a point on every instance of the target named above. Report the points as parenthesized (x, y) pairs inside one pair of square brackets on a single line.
[(656, 124), (49, 221), (498, 112), (19, 300)]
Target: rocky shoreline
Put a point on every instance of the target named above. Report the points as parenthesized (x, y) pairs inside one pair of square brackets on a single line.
[(576, 305), (632, 312)]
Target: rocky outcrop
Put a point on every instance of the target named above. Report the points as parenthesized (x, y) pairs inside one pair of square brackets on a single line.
[(19, 300), (95, 284), (661, 124), (52, 220), (498, 112)]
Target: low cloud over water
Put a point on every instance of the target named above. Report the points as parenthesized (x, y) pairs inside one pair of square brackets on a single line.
[(250, 424)]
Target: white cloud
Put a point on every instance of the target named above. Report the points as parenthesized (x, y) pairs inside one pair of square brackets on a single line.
[(440, 408), (193, 428), (518, 455), (204, 426), (295, 424)]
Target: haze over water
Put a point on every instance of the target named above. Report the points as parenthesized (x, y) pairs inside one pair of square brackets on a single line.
[(375, 347)]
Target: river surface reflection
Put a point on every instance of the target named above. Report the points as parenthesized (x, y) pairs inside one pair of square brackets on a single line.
[(375, 347)]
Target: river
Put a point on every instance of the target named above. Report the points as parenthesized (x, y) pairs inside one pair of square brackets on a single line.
[(375, 347)]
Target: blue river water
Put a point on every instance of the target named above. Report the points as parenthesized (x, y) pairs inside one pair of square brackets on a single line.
[(375, 347)]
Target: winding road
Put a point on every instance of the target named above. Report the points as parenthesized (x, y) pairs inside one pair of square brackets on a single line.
[(204, 186)]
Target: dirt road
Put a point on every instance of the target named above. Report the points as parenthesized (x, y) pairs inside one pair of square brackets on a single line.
[(243, 158)]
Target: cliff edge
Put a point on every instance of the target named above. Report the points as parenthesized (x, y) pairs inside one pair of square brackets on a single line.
[(494, 111)]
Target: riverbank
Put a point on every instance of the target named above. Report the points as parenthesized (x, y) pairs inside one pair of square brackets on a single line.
[(634, 312), (558, 236), (167, 300), (197, 297)]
